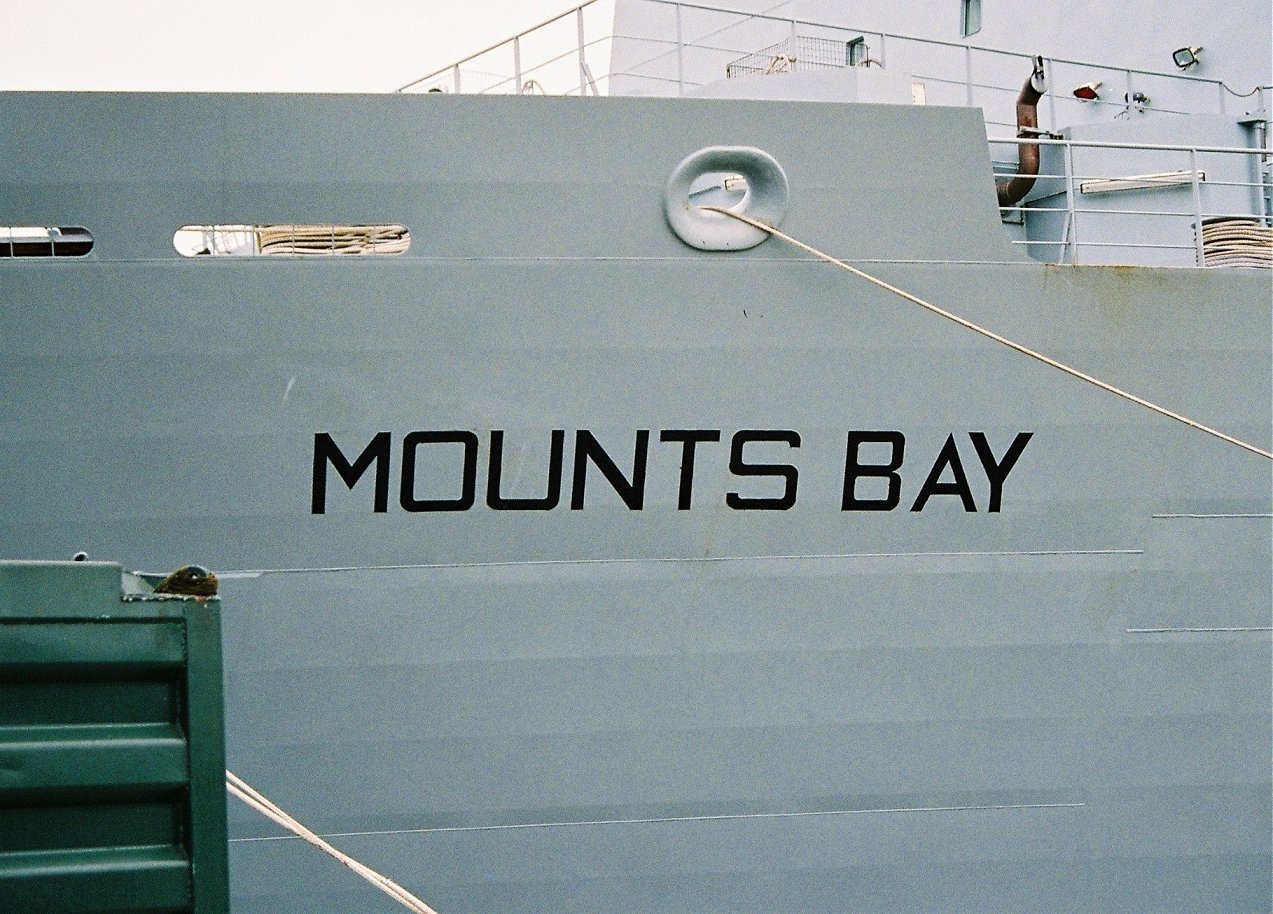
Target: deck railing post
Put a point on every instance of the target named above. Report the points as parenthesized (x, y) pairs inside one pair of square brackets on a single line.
[(1197, 207), (517, 64), (1048, 79), (583, 63), (1070, 218), (680, 55), (1261, 186), (455, 78), (968, 75), (1263, 165)]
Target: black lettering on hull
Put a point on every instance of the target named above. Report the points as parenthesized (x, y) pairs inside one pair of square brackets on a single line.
[(946, 477), (783, 471), (327, 452), (495, 470), (410, 448)]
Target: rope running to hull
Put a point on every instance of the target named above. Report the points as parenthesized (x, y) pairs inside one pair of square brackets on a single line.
[(989, 334), (249, 795)]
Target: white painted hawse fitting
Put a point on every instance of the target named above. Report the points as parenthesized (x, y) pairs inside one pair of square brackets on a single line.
[(765, 198)]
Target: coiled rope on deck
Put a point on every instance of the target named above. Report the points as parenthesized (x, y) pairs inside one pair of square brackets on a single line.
[(258, 801), (989, 334)]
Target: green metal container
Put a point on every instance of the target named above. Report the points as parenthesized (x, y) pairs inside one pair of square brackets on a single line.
[(112, 745)]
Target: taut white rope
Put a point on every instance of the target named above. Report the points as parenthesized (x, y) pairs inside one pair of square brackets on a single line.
[(989, 334), (249, 795)]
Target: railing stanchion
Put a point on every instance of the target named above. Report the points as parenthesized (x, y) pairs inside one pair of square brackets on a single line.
[(680, 55), (455, 79), (1263, 165), (583, 63), (517, 64), (1049, 79), (968, 75), (1070, 219), (1197, 207)]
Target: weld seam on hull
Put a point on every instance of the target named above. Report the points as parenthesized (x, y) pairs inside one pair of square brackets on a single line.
[(1207, 516), (1198, 630), (258, 572), (672, 819)]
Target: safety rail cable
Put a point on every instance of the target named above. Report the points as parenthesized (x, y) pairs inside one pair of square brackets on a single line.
[(238, 787), (793, 22), (523, 79), (1076, 185), (962, 46), (989, 334), (573, 11), (1112, 144), (1083, 211)]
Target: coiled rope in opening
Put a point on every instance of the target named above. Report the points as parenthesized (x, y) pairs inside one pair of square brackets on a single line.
[(989, 334), (252, 797)]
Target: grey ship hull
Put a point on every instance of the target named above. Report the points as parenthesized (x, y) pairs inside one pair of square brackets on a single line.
[(1061, 705)]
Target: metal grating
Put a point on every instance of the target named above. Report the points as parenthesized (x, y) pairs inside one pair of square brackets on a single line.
[(799, 53), (112, 749)]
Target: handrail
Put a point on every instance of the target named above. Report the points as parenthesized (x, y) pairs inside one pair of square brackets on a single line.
[(794, 22), (1110, 144), (1210, 200), (936, 41), (496, 46)]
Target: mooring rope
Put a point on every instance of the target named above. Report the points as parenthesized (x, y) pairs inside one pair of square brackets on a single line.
[(989, 334), (252, 797)]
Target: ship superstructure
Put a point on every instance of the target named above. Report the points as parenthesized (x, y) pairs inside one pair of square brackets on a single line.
[(1149, 147)]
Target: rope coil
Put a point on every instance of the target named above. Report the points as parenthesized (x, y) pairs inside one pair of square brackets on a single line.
[(990, 334)]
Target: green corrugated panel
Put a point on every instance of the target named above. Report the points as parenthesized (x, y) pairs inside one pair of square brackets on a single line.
[(98, 880), (112, 753)]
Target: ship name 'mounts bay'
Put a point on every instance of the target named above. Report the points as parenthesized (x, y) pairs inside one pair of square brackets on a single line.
[(876, 464)]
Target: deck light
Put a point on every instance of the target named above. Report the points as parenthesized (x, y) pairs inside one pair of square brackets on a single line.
[(1087, 92), (1185, 57)]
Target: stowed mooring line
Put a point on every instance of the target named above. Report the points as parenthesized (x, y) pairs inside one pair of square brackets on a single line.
[(252, 797), (989, 334)]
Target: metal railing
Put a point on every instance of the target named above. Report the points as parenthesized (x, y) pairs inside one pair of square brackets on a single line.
[(1087, 208), (522, 79), (562, 55)]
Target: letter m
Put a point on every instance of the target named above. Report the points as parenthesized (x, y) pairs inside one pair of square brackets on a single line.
[(326, 452)]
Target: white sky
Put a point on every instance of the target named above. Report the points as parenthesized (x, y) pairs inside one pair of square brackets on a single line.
[(249, 45)]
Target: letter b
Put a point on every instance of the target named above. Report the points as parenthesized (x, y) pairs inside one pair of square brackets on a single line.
[(854, 469)]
